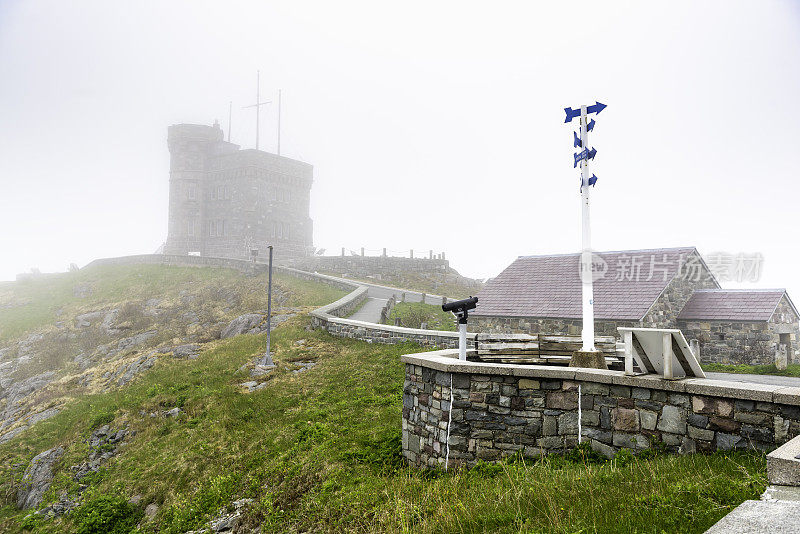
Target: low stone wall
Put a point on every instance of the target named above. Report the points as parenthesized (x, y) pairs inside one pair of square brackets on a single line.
[(368, 266), (456, 413)]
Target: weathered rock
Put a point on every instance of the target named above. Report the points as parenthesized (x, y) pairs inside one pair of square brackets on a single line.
[(136, 340), (626, 420), (86, 320), (151, 510), (37, 478), (672, 420), (188, 350), (244, 324)]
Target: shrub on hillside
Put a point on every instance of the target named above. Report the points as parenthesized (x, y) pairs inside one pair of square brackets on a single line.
[(106, 514)]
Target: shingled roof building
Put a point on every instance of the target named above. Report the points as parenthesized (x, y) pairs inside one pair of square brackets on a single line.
[(638, 288), (741, 325)]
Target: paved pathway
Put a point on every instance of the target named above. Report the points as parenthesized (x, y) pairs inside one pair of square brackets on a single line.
[(377, 296), (758, 379), (370, 311)]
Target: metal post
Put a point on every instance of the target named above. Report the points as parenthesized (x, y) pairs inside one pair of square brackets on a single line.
[(666, 350), (268, 355), (587, 334), (462, 341)]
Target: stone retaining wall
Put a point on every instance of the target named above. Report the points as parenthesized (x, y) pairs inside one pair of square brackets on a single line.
[(456, 413), (368, 266)]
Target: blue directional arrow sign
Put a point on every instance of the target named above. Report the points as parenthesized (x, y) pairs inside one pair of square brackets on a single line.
[(593, 180), (592, 153), (583, 154), (597, 107), (590, 126), (577, 142), (571, 114)]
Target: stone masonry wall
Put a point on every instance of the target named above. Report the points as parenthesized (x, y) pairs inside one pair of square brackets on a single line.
[(746, 342), (731, 342), (667, 307), (494, 415)]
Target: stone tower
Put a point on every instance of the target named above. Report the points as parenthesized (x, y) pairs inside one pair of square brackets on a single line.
[(224, 201)]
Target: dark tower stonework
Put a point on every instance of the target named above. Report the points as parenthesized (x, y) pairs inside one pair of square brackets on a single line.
[(224, 202)]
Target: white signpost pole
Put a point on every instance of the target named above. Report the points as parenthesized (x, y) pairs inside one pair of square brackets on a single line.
[(462, 341), (587, 333)]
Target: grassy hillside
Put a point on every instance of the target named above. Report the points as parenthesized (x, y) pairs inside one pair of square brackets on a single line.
[(319, 451), (33, 303), (413, 314)]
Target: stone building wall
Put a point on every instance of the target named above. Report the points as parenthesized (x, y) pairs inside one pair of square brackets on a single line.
[(665, 310), (224, 201), (748, 342), (497, 411)]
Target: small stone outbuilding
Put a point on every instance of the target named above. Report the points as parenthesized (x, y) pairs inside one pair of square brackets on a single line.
[(654, 288), (742, 325)]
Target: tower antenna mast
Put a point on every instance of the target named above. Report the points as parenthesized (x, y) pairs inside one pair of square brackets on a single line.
[(258, 104)]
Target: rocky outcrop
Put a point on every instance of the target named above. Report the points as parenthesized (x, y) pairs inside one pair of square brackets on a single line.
[(125, 373), (253, 323), (103, 444), (37, 478), (227, 521), (248, 323)]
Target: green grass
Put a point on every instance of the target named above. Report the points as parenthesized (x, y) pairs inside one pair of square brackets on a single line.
[(791, 370), (413, 314), (320, 452)]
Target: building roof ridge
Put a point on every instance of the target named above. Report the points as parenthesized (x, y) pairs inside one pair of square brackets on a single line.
[(563, 254)]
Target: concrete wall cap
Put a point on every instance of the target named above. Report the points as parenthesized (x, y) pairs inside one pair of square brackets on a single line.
[(601, 376), (650, 381), (736, 390), (787, 395), (445, 360)]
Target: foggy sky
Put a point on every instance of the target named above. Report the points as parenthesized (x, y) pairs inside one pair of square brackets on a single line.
[(429, 125)]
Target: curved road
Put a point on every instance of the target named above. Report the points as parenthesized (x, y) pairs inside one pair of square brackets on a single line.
[(377, 296)]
